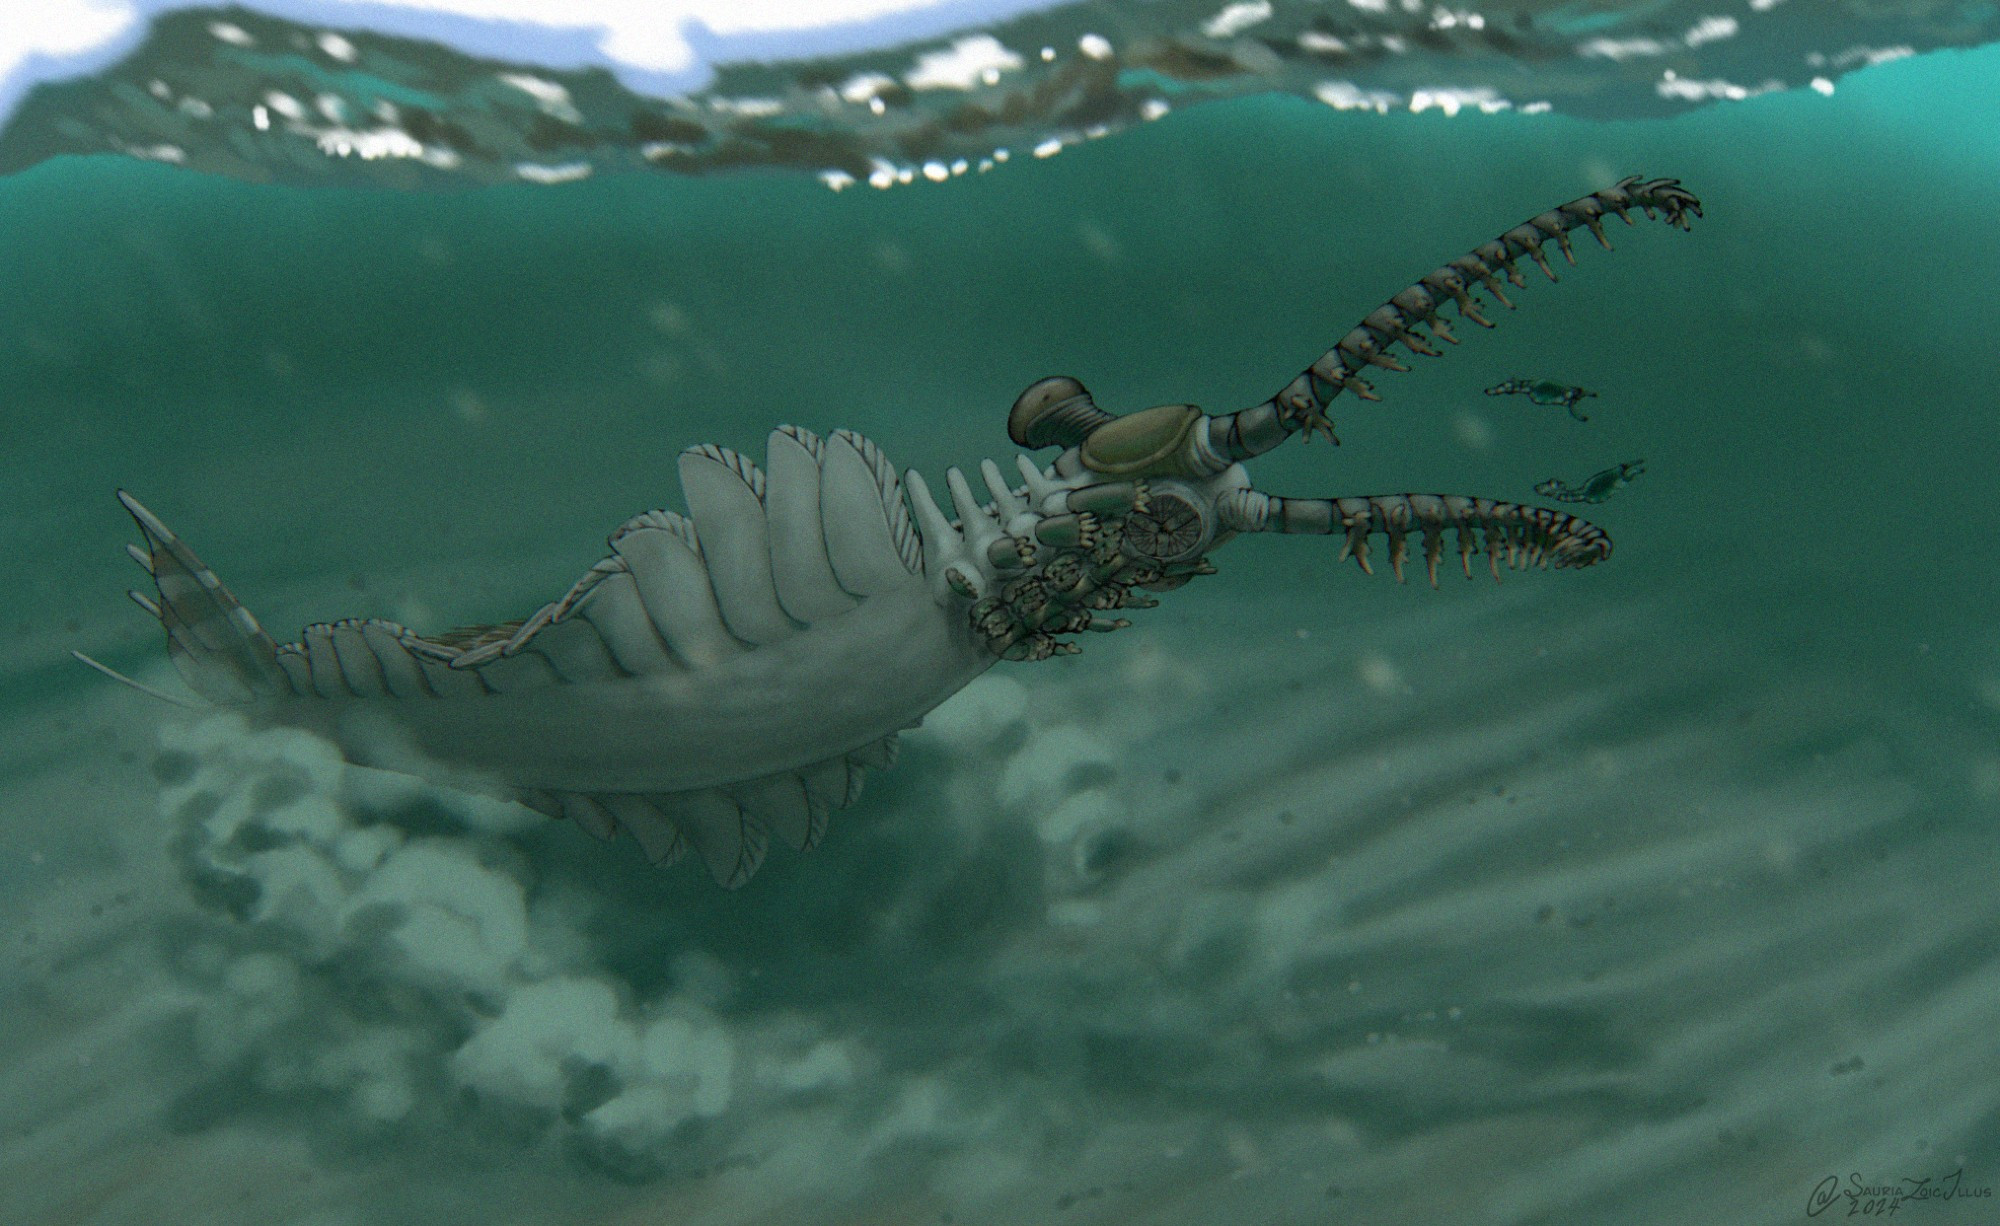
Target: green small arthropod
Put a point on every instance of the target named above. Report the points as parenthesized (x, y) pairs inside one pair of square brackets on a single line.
[(1596, 487), (1543, 391)]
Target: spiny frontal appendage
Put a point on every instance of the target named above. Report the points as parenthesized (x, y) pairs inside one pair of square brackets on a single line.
[(1303, 403), (1523, 535)]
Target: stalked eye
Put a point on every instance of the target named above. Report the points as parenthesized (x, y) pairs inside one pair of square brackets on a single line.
[(1054, 412), (1174, 527)]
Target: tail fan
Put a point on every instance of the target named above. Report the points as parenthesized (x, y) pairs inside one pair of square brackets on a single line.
[(219, 648)]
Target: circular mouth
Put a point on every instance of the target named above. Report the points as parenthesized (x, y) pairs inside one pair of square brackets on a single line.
[(1172, 528)]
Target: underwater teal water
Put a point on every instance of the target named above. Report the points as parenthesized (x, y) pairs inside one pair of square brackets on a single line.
[(1656, 892)]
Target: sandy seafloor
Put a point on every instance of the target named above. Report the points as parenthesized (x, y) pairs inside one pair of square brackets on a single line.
[(1659, 892)]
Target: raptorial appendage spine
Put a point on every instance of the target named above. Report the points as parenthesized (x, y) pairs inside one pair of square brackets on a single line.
[(1303, 402), (1522, 535)]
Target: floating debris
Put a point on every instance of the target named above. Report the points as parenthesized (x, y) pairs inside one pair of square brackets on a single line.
[(1544, 391), (1596, 487)]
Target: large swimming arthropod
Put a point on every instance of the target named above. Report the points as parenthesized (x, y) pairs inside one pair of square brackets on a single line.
[(724, 676)]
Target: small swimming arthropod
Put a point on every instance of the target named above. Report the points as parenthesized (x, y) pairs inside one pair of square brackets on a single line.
[(724, 677), (1596, 487), (1543, 391)]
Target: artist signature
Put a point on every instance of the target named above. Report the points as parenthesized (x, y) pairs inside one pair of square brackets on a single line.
[(1865, 1198)]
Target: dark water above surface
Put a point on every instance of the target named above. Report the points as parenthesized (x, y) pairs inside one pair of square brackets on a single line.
[(1656, 892)]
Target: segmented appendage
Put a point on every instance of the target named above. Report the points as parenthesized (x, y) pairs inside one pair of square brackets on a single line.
[(1303, 402), (1066, 592), (1523, 536)]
